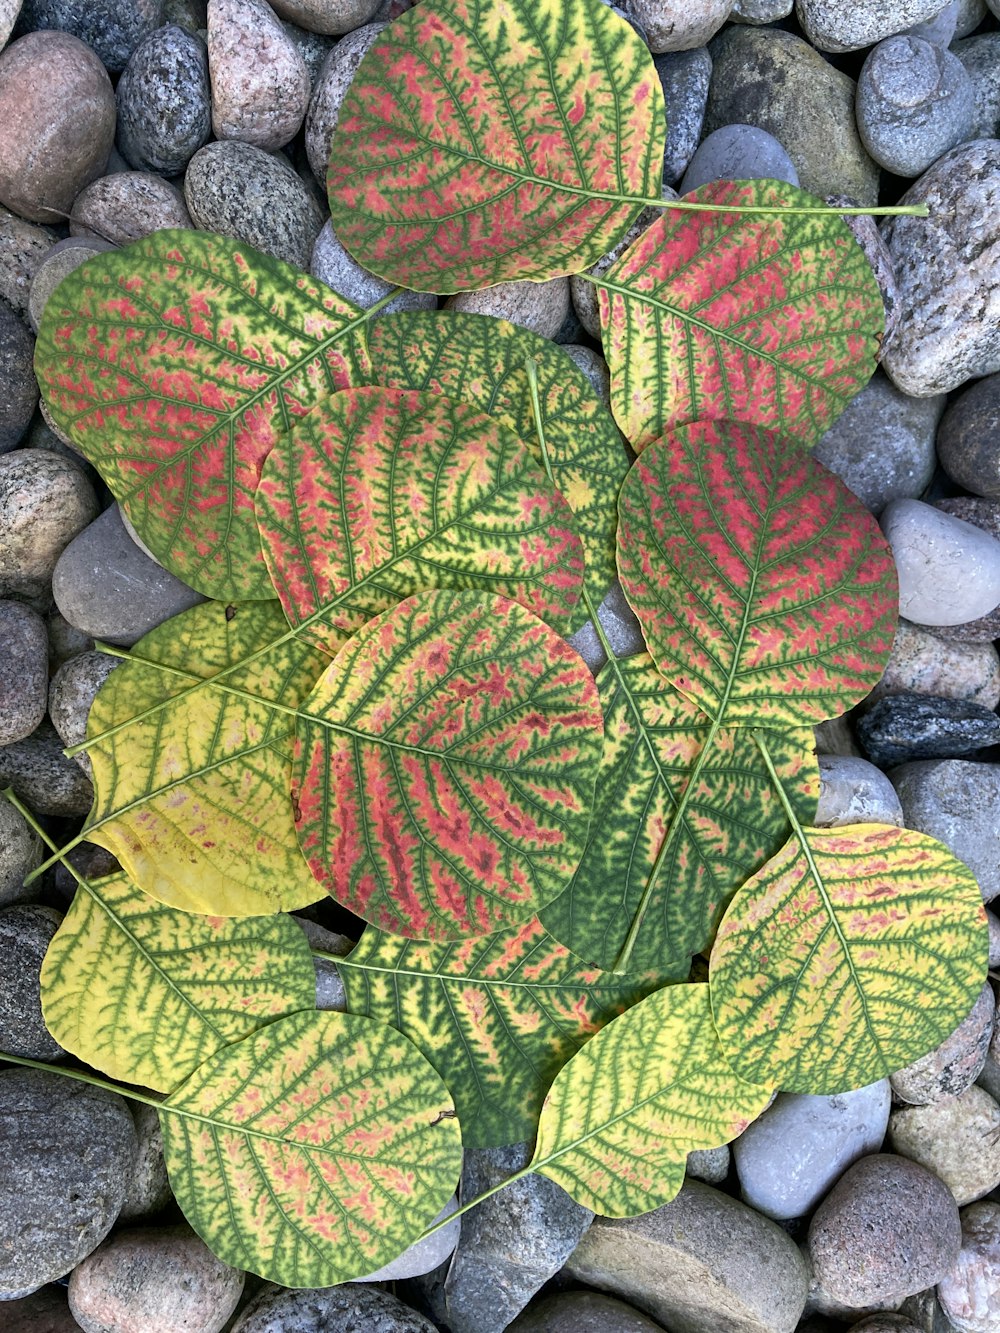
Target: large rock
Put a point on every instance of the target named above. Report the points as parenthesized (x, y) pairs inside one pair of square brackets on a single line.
[(331, 17), (958, 1138), (955, 801), (679, 25), (844, 25), (42, 777), (26, 931), (164, 101), (955, 1063), (949, 570), (966, 438), (260, 84), (23, 246), (339, 69), (927, 662), (352, 1308), (970, 1292), (980, 56), (45, 501), (853, 791), (113, 28)]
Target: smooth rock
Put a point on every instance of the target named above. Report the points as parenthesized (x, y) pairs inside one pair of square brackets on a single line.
[(126, 206), (332, 265), (684, 79), (679, 25), (792, 1153), (866, 233), (63, 259), (20, 853), (23, 246), (330, 992), (71, 693), (582, 1312), (980, 57), (948, 272), (42, 777), (967, 438), (760, 12), (904, 727), (970, 14), (710, 1165), (26, 930), (241, 191), (423, 1256), (738, 152), (538, 306), (164, 101), (46, 1311), (594, 367), (776, 81), (956, 1063), (113, 28), (64, 641), (147, 1190), (57, 108), (9, 10), (313, 47), (260, 84), (17, 376), (584, 293), (940, 29), (888, 1228), (191, 15), (351, 1308), (853, 791), (993, 923), (836, 737), (957, 1138), (983, 514), (821, 1304), (66, 1149), (620, 626), (843, 25), (331, 17), (330, 89), (925, 662), (24, 671), (45, 501), (956, 802), (949, 570), (970, 1292)]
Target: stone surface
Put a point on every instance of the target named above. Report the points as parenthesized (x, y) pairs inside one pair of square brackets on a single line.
[(66, 1149), (538, 306), (23, 246), (313, 47), (776, 81), (949, 570), (423, 1256), (947, 272), (620, 626), (239, 190), (113, 28), (71, 694), (9, 10), (20, 852), (20, 388), (710, 1165), (147, 1190), (24, 670), (333, 265), (57, 108), (842, 25), (582, 1312), (955, 1064), (957, 1138), (64, 641), (684, 78), (905, 727), (792, 1153), (884, 1323), (45, 501), (331, 17), (925, 1312), (26, 931), (956, 801), (164, 101), (335, 77), (983, 514), (967, 438), (980, 57), (970, 14), (594, 367), (46, 1311), (940, 29), (970, 1292), (924, 661), (993, 924), (853, 791), (353, 1308), (126, 206), (868, 236), (888, 1228), (761, 11), (260, 84), (64, 258), (42, 777), (738, 152), (679, 25)]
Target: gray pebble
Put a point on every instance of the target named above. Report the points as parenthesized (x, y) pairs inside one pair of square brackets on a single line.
[(939, 29), (164, 101), (833, 25), (330, 89), (313, 47), (949, 570), (147, 1190), (594, 367), (684, 78), (71, 693), (329, 16), (65, 640), (126, 206), (23, 246), (970, 14), (26, 931), (970, 1292), (983, 514), (330, 992), (114, 28), (332, 265), (17, 376), (760, 12), (955, 801), (64, 257), (8, 13), (538, 306), (923, 661), (620, 627), (866, 233), (967, 438), (679, 25), (42, 777), (958, 1138), (45, 501), (993, 924), (191, 15), (836, 737), (260, 84), (853, 791), (20, 853), (738, 152), (24, 671), (953, 1065), (423, 1256), (710, 1165), (348, 1308), (904, 727), (583, 1312), (980, 57)]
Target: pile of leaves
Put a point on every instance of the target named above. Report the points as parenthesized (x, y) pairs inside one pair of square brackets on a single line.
[(397, 523)]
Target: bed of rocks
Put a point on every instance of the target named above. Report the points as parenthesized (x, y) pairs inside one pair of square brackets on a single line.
[(876, 1210)]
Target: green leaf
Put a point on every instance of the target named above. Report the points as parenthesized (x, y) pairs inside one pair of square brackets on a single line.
[(484, 140), (174, 364), (314, 1151), (194, 800), (497, 1017), (692, 853), (381, 492), (766, 592), (482, 360), (147, 994), (771, 318), (445, 769), (626, 1110)]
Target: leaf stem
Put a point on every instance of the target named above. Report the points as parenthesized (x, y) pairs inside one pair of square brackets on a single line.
[(82, 1076), (60, 852), (528, 1170)]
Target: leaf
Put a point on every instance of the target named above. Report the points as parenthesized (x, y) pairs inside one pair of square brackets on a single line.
[(445, 767), (497, 1017), (174, 364), (775, 319), (626, 1110), (484, 140), (482, 360), (194, 802), (146, 994), (852, 953), (726, 827), (314, 1151), (766, 592), (381, 492)]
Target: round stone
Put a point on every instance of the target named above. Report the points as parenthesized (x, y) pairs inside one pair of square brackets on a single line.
[(621, 629), (17, 403), (967, 436), (57, 108), (24, 671), (904, 727), (20, 853), (148, 1189), (980, 57), (926, 662), (865, 231), (955, 1064), (949, 570), (582, 1312), (332, 265), (352, 1306), (940, 29), (709, 1164), (983, 514), (957, 1138), (970, 14), (45, 501), (71, 693), (970, 1293), (260, 84), (339, 69), (331, 17), (26, 930), (42, 777), (113, 28), (64, 257), (684, 78), (594, 367), (993, 924), (738, 152), (853, 791), (955, 801), (678, 25), (23, 246), (885, 1323), (164, 101), (836, 25), (126, 206), (538, 306)]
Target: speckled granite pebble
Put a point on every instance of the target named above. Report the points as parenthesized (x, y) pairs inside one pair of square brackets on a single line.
[(957, 1138), (956, 1063), (966, 438), (328, 16), (582, 1312), (24, 670), (23, 246), (620, 626), (329, 91), (45, 501), (955, 800), (113, 28), (260, 84), (332, 265), (970, 1293), (980, 57), (26, 930), (839, 25), (20, 852), (126, 206), (594, 367), (20, 388), (42, 777), (148, 1189), (927, 661), (349, 1307), (538, 306), (678, 25), (164, 101), (684, 78), (710, 1165), (64, 257), (71, 694)]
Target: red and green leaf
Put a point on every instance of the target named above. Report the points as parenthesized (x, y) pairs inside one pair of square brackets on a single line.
[(484, 140)]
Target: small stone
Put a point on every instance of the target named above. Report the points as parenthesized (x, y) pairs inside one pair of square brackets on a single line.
[(332, 265), (955, 1064), (23, 246), (925, 1312), (154, 1281), (582, 1312), (313, 47), (759, 12), (26, 930), (970, 14), (64, 258), (57, 108), (331, 17), (966, 438), (71, 693), (993, 923), (42, 777), (957, 1138), (46, 1311), (538, 306), (126, 206), (66, 1149), (679, 25), (148, 1190), (164, 102), (330, 89), (949, 570), (866, 233), (684, 79), (970, 1293), (792, 1153), (351, 1307), (9, 10), (594, 367), (710, 1165), (853, 791), (983, 514), (20, 388), (24, 671), (940, 29), (841, 25), (64, 640), (924, 661), (836, 737), (821, 1303), (45, 501), (330, 992), (903, 727), (620, 626), (738, 152), (956, 801), (20, 853), (423, 1256), (888, 1228), (584, 293), (260, 84), (241, 191), (113, 28), (191, 15), (980, 57)]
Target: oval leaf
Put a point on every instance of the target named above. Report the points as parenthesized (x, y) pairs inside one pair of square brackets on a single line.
[(314, 1151), (483, 140), (194, 802), (381, 492), (481, 360), (445, 767), (766, 592), (497, 1017), (146, 994), (852, 953), (626, 1110), (775, 319), (174, 364)]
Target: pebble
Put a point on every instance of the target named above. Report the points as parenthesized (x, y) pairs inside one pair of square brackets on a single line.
[(887, 1229), (42, 777), (65, 641), (64, 257), (761, 11), (903, 727), (71, 694), (239, 190), (957, 1138), (949, 570), (955, 801), (20, 853), (940, 29), (710, 1165), (983, 514), (260, 84), (956, 1063), (970, 1292), (993, 923), (970, 14), (23, 246), (313, 47), (925, 1312), (966, 438), (126, 206), (774, 80), (679, 25), (8, 13), (332, 265), (594, 367), (836, 737), (66, 1149), (328, 94), (26, 930), (924, 662), (703, 1262), (884, 1323), (423, 1256), (353, 1308), (147, 1190), (330, 992), (584, 294), (868, 236), (738, 152), (45, 1311), (582, 1312), (947, 271), (113, 28), (792, 1153), (538, 306), (853, 791), (684, 78), (164, 101), (840, 25), (150, 1280), (331, 17), (980, 56), (620, 626), (24, 671), (57, 108), (20, 395), (45, 501)]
